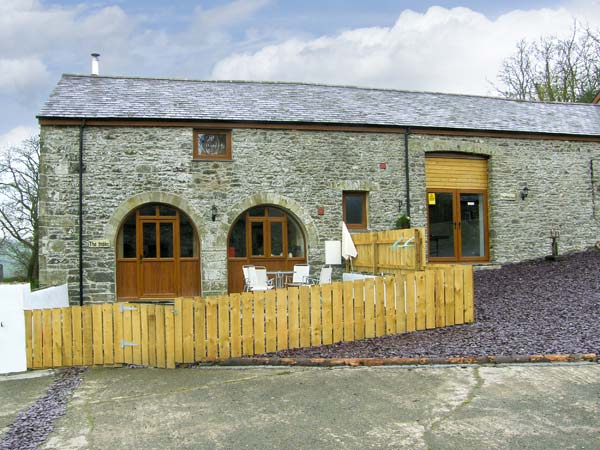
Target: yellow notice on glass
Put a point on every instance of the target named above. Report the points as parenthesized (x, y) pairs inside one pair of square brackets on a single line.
[(431, 198)]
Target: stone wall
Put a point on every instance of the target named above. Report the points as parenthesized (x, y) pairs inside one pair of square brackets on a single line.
[(300, 171), (561, 192), (124, 167)]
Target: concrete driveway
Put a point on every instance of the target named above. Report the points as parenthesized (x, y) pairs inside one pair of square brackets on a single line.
[(475, 407)]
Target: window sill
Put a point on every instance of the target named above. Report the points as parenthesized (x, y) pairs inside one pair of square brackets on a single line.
[(212, 160)]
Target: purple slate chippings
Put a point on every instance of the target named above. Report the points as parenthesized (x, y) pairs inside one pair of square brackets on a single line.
[(32, 427), (534, 307)]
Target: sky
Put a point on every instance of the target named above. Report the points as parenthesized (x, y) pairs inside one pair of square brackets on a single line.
[(440, 46)]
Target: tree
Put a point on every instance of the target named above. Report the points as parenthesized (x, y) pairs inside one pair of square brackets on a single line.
[(554, 69), (19, 189)]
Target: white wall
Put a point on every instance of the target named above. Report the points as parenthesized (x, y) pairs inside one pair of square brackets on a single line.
[(14, 299), (52, 297), (12, 329)]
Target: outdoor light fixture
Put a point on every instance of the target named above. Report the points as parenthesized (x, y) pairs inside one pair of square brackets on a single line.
[(213, 211), (524, 193)]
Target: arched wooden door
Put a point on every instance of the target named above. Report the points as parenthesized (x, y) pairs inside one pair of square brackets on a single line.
[(158, 254), (267, 236)]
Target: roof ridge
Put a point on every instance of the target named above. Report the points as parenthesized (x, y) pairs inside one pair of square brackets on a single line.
[(325, 85)]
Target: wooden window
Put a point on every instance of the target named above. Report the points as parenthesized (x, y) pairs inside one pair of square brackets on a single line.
[(354, 207), (212, 144)]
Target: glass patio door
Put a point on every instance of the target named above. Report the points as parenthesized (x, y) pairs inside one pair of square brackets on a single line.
[(472, 225), (457, 226), (264, 235)]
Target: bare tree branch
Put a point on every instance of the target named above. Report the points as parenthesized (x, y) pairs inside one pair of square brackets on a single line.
[(19, 185), (553, 69)]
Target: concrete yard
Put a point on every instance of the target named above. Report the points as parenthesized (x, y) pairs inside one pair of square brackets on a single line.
[(471, 407), (18, 392)]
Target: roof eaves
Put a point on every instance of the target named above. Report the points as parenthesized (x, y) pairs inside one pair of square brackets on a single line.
[(419, 129)]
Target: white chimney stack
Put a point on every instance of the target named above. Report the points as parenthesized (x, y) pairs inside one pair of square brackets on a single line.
[(95, 64)]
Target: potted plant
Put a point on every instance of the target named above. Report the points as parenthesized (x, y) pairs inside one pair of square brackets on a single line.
[(403, 222)]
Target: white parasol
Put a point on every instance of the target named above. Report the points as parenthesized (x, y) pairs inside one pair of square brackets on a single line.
[(348, 248)]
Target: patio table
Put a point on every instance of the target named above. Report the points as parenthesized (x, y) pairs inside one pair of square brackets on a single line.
[(279, 276)]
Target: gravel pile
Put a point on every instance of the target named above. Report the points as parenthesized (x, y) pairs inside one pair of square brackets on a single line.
[(535, 307), (32, 427)]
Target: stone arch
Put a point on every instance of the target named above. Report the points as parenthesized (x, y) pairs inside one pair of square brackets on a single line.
[(264, 198), (122, 211)]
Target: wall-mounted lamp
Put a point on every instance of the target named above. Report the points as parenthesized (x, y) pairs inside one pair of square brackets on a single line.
[(399, 205), (524, 192), (213, 211)]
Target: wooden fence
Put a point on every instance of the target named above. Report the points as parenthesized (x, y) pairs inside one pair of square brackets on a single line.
[(212, 328), (391, 251)]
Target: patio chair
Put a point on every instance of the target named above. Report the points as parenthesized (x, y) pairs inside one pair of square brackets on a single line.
[(257, 276), (324, 276), (246, 271), (300, 276)]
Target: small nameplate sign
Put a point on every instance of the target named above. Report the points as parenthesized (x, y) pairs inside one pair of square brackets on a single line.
[(508, 196), (99, 243)]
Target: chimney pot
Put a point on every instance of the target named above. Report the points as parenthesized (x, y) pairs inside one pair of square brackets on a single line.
[(95, 64)]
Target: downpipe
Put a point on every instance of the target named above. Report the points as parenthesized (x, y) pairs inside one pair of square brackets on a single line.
[(407, 171), (81, 169)]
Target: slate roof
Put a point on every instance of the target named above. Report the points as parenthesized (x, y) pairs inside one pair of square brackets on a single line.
[(79, 96)]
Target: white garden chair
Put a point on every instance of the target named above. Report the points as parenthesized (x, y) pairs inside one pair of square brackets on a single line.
[(324, 276), (257, 276), (246, 272), (300, 276)]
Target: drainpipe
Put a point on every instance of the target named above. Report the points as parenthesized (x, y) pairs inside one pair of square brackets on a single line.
[(406, 171), (81, 127)]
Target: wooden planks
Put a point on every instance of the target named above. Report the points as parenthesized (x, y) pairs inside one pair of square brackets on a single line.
[(327, 309), (29, 337), (224, 321), (236, 326), (390, 251), (390, 306), (456, 173), (293, 317), (337, 313), (379, 307), (259, 324), (270, 321), (208, 329), (369, 295), (247, 324), (315, 316), (282, 320), (199, 329), (304, 316)]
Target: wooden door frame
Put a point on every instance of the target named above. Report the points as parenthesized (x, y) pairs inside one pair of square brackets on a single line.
[(456, 219), (266, 221), (177, 258), (266, 258), (157, 220)]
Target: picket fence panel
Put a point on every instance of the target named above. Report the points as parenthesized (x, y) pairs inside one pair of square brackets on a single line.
[(230, 326), (390, 251)]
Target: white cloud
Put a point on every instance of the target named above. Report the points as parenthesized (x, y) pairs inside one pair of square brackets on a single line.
[(451, 50), (22, 74), (39, 39), (227, 14), (16, 136), (64, 36)]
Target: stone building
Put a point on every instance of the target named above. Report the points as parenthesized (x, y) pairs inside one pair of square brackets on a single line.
[(154, 188)]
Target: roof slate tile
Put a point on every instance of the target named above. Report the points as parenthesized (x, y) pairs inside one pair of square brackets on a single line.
[(80, 96)]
